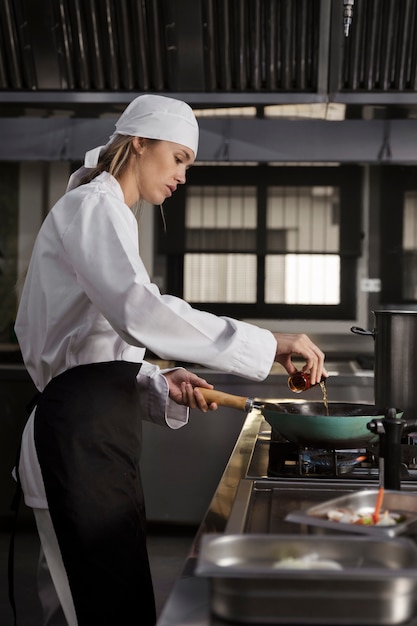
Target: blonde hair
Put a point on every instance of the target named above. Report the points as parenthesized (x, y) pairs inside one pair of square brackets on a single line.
[(113, 160)]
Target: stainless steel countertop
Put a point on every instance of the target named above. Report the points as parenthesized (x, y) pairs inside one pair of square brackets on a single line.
[(189, 601), (188, 604)]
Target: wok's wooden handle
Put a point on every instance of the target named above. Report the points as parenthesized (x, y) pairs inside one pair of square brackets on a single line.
[(224, 399)]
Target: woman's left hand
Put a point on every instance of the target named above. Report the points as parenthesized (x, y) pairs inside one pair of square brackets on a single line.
[(183, 389)]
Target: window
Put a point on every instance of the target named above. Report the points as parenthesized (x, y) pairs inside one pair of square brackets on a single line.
[(397, 218), (302, 279), (265, 241), (219, 221), (409, 246), (303, 227)]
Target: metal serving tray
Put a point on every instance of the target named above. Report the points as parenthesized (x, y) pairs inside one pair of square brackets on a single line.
[(375, 585), (363, 502)]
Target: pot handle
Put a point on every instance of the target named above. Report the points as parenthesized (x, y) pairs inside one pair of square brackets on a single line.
[(224, 399), (362, 331)]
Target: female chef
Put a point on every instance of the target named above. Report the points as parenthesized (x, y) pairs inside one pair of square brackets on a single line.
[(87, 313)]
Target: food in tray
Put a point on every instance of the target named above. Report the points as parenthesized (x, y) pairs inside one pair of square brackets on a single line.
[(365, 518), (306, 562)]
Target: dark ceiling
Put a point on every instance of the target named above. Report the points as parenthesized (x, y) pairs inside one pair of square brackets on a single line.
[(78, 53)]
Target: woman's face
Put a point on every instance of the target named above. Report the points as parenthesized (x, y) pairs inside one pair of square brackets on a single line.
[(161, 167)]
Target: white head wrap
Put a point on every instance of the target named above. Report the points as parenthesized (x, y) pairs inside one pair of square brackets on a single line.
[(151, 117)]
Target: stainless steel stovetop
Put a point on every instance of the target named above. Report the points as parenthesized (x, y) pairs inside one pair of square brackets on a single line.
[(281, 478), (263, 500), (250, 500), (274, 458)]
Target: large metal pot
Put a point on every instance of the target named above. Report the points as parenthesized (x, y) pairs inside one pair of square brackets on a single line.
[(306, 423), (395, 369)]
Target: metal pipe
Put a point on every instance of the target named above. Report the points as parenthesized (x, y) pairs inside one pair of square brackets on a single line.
[(347, 15)]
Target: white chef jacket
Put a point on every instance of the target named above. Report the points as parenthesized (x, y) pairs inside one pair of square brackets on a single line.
[(88, 298)]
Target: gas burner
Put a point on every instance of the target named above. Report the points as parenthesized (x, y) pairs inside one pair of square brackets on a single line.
[(286, 460), (332, 462)]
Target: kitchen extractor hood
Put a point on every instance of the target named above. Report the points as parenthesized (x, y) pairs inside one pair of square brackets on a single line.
[(73, 53)]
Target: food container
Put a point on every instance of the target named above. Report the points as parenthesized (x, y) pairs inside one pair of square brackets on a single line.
[(375, 582), (363, 502)]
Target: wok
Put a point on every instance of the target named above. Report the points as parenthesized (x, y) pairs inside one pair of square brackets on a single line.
[(306, 423)]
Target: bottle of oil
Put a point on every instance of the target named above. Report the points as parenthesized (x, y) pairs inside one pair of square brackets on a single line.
[(300, 381)]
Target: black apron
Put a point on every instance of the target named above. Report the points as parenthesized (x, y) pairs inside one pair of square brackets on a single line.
[(88, 439)]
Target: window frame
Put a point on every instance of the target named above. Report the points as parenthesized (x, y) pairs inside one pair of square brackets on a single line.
[(348, 178)]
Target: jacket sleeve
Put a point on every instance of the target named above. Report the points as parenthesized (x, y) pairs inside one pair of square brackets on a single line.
[(102, 246), (155, 404)]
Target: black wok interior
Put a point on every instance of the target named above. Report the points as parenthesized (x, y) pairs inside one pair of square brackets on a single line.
[(336, 409)]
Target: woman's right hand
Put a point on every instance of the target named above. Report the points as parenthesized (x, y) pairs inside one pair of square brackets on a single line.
[(183, 389)]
